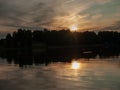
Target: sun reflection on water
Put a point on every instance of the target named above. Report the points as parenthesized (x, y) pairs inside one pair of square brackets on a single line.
[(75, 65)]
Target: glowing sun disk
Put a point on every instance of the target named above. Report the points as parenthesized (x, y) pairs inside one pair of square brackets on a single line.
[(73, 28)]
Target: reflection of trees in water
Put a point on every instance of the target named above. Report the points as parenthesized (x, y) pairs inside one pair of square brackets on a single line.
[(22, 57), (25, 58), (61, 46)]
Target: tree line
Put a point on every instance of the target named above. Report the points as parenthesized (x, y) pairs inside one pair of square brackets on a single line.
[(26, 38)]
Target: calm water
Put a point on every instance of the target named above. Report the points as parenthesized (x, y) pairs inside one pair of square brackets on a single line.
[(79, 74)]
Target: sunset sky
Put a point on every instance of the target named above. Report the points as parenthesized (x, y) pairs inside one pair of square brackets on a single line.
[(59, 14)]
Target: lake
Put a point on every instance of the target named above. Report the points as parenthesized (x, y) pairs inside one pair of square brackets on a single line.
[(46, 73)]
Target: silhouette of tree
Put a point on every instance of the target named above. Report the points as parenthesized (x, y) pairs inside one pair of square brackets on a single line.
[(8, 40), (25, 38)]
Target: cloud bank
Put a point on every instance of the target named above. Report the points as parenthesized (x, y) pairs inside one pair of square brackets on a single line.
[(58, 14)]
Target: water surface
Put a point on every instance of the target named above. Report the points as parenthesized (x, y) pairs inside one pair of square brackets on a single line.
[(77, 74)]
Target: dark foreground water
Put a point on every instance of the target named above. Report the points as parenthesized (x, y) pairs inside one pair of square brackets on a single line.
[(77, 74)]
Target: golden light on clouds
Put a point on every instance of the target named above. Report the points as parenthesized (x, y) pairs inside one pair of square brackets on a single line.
[(59, 14)]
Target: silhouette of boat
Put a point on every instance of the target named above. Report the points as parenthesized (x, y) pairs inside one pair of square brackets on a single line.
[(87, 52)]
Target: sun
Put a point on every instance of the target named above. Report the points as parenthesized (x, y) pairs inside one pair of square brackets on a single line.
[(73, 28)]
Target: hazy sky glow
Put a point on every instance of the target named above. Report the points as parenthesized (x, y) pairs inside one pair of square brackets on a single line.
[(59, 14)]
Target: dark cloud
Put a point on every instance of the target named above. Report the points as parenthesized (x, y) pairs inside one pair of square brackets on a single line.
[(115, 26), (19, 14)]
